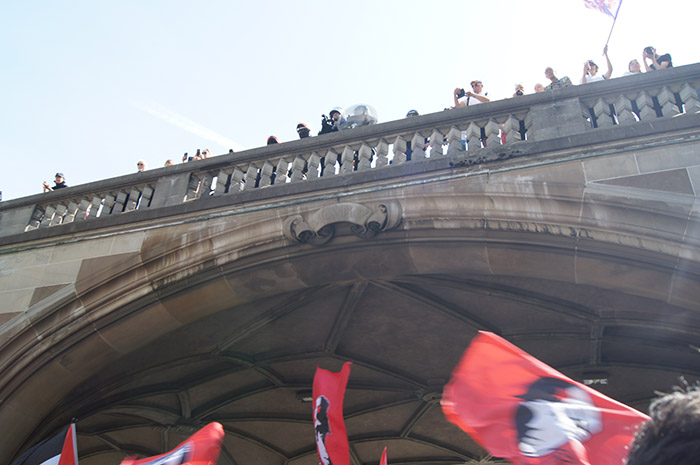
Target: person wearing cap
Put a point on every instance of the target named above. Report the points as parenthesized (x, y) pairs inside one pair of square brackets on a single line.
[(303, 130), (590, 70), (59, 183)]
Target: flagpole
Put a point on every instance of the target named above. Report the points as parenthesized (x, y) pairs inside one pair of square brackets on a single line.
[(613, 24)]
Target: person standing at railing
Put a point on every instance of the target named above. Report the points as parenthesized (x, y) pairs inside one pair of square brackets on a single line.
[(59, 183), (633, 68), (556, 83), (141, 166), (539, 88), (590, 70), (303, 130), (469, 98), (657, 61)]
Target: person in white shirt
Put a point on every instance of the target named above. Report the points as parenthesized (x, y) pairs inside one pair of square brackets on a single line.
[(633, 68), (590, 70), (463, 99)]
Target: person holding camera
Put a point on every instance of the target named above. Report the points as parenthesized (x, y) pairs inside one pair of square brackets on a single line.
[(333, 123), (657, 61), (519, 90), (590, 70), (474, 97), (59, 183)]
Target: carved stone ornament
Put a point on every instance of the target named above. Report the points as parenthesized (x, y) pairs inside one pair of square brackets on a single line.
[(366, 222)]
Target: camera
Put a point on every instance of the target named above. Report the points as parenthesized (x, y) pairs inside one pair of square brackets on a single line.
[(519, 93), (461, 93), (649, 50)]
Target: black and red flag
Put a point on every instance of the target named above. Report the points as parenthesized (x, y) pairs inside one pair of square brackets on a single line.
[(60, 449), (202, 448), (523, 410), (329, 425)]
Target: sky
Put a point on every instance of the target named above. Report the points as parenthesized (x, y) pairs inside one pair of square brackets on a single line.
[(91, 86)]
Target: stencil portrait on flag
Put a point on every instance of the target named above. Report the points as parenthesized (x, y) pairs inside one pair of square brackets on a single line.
[(329, 425), (522, 410)]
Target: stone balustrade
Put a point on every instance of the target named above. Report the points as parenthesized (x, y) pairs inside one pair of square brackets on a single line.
[(461, 133)]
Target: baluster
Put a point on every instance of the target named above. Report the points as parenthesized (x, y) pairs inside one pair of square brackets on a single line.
[(602, 113), (222, 179), (236, 181), (347, 160), (36, 218), (473, 137), (120, 202), (330, 160), (668, 102), (146, 195), (133, 201), (417, 146), (382, 153), (399, 151), (71, 211), (82, 212), (298, 166), (95, 205), (493, 137), (48, 216), (364, 157), (110, 204), (454, 141), (251, 176), (193, 187), (689, 96), (512, 130), (58, 215), (205, 185), (646, 106), (313, 170), (281, 171), (266, 174), (624, 110), (436, 142)]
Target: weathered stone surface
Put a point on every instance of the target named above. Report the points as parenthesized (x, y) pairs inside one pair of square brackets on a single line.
[(579, 245)]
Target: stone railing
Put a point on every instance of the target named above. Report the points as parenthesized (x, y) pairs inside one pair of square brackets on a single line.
[(463, 132)]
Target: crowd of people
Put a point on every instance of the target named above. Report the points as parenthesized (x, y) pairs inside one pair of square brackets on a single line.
[(651, 59), (337, 121)]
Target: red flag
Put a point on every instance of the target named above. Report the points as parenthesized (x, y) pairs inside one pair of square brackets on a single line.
[(202, 448), (60, 449), (383, 460), (331, 436), (522, 410)]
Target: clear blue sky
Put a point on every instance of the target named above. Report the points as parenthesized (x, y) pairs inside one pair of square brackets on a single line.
[(91, 86)]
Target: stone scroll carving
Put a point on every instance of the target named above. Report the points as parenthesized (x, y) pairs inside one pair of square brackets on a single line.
[(365, 222)]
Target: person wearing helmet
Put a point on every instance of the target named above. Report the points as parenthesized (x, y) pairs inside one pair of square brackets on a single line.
[(303, 130), (333, 123)]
